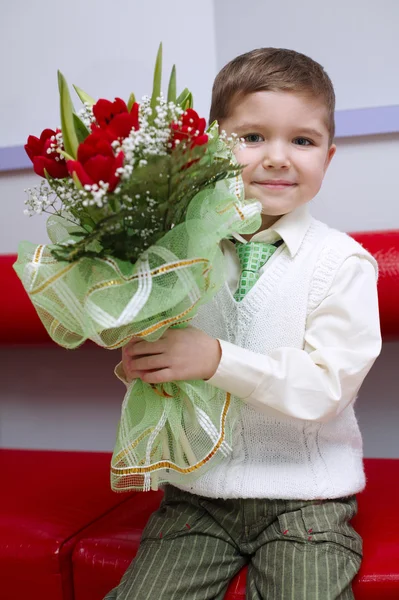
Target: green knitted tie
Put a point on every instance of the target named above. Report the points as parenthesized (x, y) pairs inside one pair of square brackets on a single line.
[(253, 256)]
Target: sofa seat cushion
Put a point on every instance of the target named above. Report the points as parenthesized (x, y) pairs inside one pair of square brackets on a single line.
[(47, 499)]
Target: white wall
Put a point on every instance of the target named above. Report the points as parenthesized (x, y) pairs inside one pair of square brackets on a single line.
[(108, 49), (356, 41), (359, 192), (55, 398), (52, 398)]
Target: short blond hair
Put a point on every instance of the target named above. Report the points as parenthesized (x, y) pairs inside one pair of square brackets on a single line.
[(273, 70)]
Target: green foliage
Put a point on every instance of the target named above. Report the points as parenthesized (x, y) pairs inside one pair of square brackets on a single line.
[(69, 135), (155, 196), (183, 98), (81, 130), (172, 86), (156, 90), (130, 223), (83, 96), (131, 101)]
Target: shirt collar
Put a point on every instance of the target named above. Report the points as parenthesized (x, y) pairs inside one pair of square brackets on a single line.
[(291, 228)]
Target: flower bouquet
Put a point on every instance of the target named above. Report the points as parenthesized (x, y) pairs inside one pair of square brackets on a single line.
[(139, 197)]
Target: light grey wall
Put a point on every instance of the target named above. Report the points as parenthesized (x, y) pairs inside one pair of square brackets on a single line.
[(377, 406), (55, 398), (359, 192), (107, 49), (356, 41)]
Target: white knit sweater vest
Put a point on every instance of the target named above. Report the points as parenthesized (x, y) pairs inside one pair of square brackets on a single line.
[(275, 456)]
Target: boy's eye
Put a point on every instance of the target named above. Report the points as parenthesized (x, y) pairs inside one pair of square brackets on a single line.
[(300, 141), (253, 138)]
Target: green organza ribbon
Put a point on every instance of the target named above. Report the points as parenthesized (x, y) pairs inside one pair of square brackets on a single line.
[(167, 433)]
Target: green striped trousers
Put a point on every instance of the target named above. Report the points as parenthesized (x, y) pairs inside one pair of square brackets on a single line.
[(193, 546)]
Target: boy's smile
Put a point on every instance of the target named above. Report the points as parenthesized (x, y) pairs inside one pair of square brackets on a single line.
[(287, 149)]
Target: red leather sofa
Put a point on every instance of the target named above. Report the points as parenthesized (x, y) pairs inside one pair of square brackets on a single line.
[(47, 500), (65, 536)]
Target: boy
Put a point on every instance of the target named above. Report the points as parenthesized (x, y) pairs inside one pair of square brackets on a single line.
[(295, 344)]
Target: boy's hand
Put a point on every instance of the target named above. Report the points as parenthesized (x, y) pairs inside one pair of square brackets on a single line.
[(180, 354)]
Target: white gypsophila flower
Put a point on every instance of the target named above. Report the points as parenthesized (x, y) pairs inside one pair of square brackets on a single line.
[(116, 146), (67, 193), (54, 197), (231, 141), (153, 136), (86, 114), (125, 171), (39, 199), (95, 194), (56, 145)]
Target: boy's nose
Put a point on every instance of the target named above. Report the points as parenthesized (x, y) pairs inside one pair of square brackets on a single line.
[(275, 157)]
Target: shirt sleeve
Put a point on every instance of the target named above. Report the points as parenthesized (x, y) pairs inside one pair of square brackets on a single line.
[(342, 341)]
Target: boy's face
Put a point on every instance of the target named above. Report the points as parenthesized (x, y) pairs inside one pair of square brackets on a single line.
[(287, 149)]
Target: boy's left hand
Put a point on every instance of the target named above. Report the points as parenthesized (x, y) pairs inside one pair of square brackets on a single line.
[(180, 354)]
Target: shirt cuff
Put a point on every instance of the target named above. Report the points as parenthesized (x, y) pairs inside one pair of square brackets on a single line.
[(238, 372)]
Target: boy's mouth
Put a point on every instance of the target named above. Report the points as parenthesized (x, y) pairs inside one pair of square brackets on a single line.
[(275, 183)]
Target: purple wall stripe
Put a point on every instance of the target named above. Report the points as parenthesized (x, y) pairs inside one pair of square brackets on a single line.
[(13, 158), (367, 121), (349, 123)]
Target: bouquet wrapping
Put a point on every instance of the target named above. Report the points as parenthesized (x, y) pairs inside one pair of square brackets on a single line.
[(139, 196)]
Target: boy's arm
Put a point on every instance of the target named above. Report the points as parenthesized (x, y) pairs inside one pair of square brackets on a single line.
[(342, 341)]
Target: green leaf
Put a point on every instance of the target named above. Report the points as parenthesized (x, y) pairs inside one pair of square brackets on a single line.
[(47, 175), (79, 233), (87, 223), (66, 155), (81, 130), (83, 96), (172, 85), (183, 96), (69, 136), (189, 102), (213, 140), (156, 90), (131, 101), (213, 128), (77, 181)]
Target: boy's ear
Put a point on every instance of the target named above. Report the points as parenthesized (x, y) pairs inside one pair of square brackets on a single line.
[(330, 154)]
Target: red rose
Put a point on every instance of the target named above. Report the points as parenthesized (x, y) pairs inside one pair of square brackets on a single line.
[(191, 129), (115, 118), (96, 161), (44, 155), (105, 111)]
